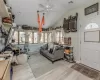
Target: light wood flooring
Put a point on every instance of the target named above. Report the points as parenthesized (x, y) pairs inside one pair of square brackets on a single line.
[(61, 71)]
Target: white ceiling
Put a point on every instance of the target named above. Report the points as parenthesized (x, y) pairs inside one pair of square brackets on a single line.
[(26, 11)]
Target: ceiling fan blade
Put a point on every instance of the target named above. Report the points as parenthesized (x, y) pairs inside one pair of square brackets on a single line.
[(41, 5)]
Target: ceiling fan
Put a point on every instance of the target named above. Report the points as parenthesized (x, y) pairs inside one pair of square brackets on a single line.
[(46, 7)]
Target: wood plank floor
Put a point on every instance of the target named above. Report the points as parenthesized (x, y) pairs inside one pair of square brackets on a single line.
[(60, 72), (63, 73), (23, 72)]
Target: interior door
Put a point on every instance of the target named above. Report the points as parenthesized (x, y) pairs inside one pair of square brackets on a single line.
[(90, 51)]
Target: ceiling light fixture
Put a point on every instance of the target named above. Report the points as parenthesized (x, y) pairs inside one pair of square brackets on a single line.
[(47, 6)]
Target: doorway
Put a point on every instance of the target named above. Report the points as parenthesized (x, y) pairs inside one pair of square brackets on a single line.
[(90, 51)]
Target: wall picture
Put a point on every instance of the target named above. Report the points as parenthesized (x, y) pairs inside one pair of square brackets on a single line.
[(91, 9)]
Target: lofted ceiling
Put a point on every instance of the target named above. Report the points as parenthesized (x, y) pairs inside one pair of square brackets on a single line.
[(26, 10)]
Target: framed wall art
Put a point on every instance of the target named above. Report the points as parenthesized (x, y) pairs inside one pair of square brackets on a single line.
[(91, 9)]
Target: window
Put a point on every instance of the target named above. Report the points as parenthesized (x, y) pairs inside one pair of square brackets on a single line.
[(15, 37), (59, 37), (46, 37), (49, 37), (30, 37), (41, 37), (35, 37), (21, 37), (92, 26)]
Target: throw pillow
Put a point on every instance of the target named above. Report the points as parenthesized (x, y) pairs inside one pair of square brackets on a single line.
[(56, 47), (51, 51), (45, 47), (50, 46)]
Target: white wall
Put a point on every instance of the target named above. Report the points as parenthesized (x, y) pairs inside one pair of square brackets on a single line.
[(81, 17)]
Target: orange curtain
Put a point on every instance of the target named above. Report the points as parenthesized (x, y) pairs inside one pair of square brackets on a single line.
[(38, 16), (41, 23)]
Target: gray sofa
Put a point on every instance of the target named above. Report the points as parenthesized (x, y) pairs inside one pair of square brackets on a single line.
[(57, 53)]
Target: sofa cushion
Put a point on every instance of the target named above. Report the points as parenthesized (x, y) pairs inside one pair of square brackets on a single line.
[(50, 46), (50, 55), (56, 47), (46, 53), (44, 47)]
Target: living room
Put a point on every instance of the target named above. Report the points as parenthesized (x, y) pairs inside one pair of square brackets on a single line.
[(52, 40)]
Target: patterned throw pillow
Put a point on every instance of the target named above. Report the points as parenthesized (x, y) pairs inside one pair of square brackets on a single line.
[(51, 51)]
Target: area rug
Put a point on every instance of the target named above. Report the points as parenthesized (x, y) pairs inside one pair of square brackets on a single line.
[(41, 65), (87, 71)]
